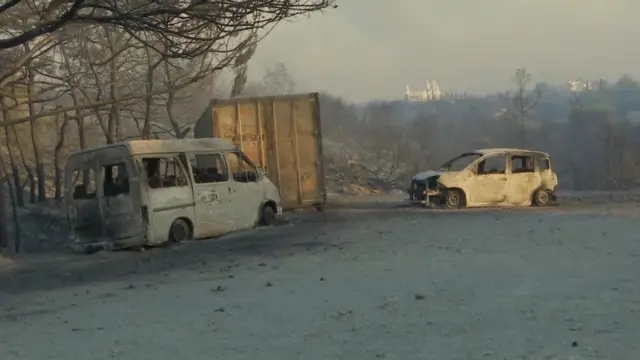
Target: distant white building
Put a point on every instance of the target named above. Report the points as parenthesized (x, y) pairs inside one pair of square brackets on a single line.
[(430, 93), (580, 85)]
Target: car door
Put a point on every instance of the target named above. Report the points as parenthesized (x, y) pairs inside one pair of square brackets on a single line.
[(523, 179), (248, 191), (490, 181), (212, 194)]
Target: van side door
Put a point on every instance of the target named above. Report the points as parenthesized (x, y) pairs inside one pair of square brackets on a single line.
[(212, 194), (121, 206), (248, 191), (83, 207), (169, 193)]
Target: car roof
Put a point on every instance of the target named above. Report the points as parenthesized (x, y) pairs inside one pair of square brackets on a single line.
[(508, 150)]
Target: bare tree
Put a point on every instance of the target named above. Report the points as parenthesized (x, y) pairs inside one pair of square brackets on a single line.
[(186, 29), (218, 31), (241, 67), (278, 81), (57, 164), (524, 101)]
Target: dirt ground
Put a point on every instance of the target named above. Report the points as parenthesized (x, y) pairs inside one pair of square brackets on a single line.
[(367, 279)]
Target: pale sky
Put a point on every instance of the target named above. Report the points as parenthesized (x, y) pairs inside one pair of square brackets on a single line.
[(373, 49)]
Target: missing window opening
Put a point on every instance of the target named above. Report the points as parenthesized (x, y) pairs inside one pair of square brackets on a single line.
[(164, 172)]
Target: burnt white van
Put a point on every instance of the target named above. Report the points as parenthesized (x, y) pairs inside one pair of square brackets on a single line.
[(150, 192)]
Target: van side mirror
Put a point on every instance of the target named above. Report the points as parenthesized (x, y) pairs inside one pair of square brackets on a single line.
[(261, 172)]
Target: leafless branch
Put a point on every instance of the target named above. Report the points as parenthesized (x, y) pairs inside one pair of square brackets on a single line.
[(183, 29)]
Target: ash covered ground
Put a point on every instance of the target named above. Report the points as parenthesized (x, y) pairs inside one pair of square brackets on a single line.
[(367, 279)]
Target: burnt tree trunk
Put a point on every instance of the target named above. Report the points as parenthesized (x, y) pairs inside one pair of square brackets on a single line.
[(35, 141), (57, 165), (14, 210), (4, 233), (6, 115), (30, 177)]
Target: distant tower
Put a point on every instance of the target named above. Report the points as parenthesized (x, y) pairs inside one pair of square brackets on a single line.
[(435, 89), (430, 92), (426, 94)]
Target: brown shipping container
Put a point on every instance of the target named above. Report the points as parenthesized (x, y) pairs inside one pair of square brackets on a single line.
[(281, 134)]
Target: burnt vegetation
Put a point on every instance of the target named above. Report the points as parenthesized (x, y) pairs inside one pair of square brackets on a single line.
[(80, 73), (591, 135)]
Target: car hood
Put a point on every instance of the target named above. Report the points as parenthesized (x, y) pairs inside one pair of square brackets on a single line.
[(427, 174)]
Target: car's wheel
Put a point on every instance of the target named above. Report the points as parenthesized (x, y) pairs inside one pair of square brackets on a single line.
[(541, 197), (179, 231), (453, 199), (268, 216)]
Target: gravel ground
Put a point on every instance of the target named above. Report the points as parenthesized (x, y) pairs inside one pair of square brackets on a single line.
[(365, 280)]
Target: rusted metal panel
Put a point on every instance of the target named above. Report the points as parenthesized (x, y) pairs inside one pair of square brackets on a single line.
[(282, 134)]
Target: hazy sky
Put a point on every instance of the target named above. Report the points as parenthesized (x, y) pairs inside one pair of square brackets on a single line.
[(372, 49)]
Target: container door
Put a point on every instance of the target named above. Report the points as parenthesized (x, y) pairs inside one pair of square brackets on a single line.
[(308, 160), (282, 135)]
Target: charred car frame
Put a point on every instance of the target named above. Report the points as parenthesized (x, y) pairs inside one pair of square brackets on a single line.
[(487, 177)]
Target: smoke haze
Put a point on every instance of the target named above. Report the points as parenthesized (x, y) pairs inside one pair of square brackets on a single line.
[(372, 49)]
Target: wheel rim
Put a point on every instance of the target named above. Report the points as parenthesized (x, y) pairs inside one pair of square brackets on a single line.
[(542, 197), (453, 199)]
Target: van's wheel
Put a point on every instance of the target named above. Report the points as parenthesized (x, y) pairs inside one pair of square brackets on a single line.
[(268, 216), (179, 231), (541, 197), (453, 199)]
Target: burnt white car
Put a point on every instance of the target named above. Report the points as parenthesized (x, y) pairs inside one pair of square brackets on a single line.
[(488, 177)]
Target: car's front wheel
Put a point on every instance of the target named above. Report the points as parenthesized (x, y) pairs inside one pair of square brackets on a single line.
[(453, 199)]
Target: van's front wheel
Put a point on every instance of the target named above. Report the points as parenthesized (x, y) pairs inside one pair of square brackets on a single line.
[(179, 231), (268, 216)]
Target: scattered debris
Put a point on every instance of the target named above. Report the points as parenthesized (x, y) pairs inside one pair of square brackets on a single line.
[(43, 227), (5, 260), (387, 302), (358, 190)]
